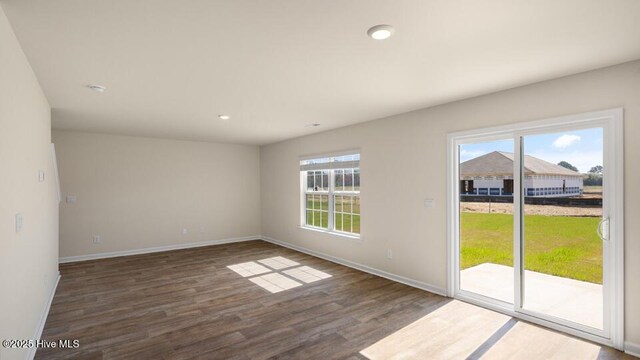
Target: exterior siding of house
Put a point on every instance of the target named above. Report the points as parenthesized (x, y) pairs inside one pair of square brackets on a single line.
[(552, 185), (535, 185)]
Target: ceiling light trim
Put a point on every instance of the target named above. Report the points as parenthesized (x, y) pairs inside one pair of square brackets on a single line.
[(97, 88), (381, 32)]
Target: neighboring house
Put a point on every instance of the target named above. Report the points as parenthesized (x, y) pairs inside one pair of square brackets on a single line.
[(492, 174)]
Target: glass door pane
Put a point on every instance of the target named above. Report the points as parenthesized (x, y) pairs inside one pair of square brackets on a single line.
[(562, 251), (486, 219)]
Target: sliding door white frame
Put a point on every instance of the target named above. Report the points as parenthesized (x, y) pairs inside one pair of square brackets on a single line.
[(613, 195)]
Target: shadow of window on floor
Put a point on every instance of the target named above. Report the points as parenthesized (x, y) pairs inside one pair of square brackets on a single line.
[(270, 273), (250, 268), (482, 349), (278, 262), (307, 274), (275, 282), (458, 330)]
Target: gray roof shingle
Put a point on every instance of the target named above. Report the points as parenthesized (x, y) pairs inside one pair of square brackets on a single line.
[(501, 163)]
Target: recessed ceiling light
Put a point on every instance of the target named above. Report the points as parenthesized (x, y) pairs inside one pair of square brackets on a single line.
[(312, 125), (97, 88), (380, 32), (224, 117)]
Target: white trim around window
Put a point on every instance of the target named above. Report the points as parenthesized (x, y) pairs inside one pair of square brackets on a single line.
[(331, 204)]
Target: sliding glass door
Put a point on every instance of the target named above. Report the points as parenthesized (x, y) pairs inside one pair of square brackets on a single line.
[(486, 218), (536, 222), (562, 176)]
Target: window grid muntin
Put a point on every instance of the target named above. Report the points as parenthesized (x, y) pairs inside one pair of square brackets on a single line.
[(341, 211), (351, 190), (316, 209)]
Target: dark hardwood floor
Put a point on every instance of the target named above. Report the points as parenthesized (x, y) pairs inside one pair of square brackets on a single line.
[(187, 304)]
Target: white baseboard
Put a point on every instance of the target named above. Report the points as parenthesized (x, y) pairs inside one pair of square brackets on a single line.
[(632, 348), (397, 278), (43, 318), (337, 260), (155, 249), (629, 347)]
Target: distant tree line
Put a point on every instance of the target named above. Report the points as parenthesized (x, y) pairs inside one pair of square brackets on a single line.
[(566, 165), (592, 178)]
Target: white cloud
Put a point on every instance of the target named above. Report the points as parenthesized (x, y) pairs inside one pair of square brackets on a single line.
[(583, 160), (565, 141)]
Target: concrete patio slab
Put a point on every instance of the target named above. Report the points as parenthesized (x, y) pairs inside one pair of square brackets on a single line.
[(569, 299)]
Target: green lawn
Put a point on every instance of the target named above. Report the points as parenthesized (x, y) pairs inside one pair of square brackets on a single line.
[(348, 219), (321, 220), (318, 212), (556, 245)]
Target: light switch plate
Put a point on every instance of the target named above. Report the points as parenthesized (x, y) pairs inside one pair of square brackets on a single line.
[(19, 222), (41, 175), (429, 203)]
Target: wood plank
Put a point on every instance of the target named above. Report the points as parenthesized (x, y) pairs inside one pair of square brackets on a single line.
[(186, 304)]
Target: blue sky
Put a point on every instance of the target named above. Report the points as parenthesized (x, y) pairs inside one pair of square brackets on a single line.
[(581, 148)]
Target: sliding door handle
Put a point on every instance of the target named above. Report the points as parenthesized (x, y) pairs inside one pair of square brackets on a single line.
[(603, 229)]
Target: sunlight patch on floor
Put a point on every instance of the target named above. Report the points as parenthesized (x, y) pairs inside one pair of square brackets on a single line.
[(249, 269), (459, 330), (275, 282), (307, 274), (454, 331), (278, 262), (540, 344), (273, 278)]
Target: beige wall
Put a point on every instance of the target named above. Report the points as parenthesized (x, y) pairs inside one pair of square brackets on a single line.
[(414, 145), (28, 259), (139, 193)]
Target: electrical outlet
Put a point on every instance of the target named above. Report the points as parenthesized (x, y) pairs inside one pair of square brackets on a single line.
[(389, 254), (185, 231), (97, 239)]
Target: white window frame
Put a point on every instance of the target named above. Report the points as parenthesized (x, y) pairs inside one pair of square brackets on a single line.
[(332, 197), (332, 192), (614, 306), (306, 192)]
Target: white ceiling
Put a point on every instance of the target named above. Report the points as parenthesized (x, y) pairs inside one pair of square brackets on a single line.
[(170, 67)]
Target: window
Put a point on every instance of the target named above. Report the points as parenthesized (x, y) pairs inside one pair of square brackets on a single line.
[(466, 187), (508, 186), (331, 193)]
